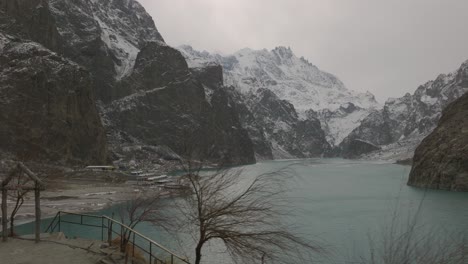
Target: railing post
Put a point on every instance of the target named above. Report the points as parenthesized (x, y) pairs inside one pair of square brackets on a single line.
[(59, 220), (109, 231), (151, 252), (102, 228), (172, 259), (133, 251), (121, 239)]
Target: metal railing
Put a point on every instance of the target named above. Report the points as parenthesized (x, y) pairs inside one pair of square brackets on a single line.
[(128, 236)]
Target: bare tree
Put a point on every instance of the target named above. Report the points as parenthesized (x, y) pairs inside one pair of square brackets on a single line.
[(245, 214), (18, 196), (146, 207)]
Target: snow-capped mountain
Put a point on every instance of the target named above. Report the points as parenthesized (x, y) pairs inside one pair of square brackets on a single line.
[(403, 122), (122, 25), (145, 92), (295, 80)]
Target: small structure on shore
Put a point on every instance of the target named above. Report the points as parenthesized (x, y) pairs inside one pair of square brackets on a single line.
[(37, 186), (100, 168)]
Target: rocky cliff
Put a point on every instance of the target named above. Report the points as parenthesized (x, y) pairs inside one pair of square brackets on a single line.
[(317, 101), (47, 106), (145, 92), (32, 20), (441, 161), (287, 134), (403, 122)]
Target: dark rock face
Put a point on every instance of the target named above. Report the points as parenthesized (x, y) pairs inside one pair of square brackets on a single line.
[(441, 161), (275, 128), (145, 92), (105, 37), (148, 93), (30, 19), (300, 138), (223, 116), (257, 134), (47, 109), (165, 104), (411, 117), (353, 148), (292, 79)]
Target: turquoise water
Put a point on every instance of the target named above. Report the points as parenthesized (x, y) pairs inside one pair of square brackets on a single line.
[(342, 204)]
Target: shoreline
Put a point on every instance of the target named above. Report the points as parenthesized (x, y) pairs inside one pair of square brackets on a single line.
[(75, 199)]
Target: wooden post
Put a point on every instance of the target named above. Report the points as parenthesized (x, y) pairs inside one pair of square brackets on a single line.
[(37, 198), (4, 216)]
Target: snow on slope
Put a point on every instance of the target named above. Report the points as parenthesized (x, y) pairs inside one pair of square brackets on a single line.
[(295, 80), (124, 27), (404, 122)]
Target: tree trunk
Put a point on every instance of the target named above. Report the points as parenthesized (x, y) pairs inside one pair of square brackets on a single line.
[(198, 254), (12, 226), (19, 203), (4, 216), (37, 201)]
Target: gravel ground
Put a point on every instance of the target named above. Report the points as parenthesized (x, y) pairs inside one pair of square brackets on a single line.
[(75, 251)]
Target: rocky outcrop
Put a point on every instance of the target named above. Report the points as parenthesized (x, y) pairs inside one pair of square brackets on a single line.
[(354, 148), (224, 116), (32, 20), (47, 107), (262, 146), (441, 161), (163, 103), (145, 92), (275, 128), (258, 81), (149, 95), (407, 120), (105, 37), (295, 80), (288, 134)]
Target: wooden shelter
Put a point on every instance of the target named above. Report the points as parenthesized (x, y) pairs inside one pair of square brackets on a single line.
[(37, 186)]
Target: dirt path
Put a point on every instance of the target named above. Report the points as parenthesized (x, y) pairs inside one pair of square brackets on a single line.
[(17, 251)]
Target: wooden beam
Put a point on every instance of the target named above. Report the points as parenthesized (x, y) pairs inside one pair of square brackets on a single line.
[(4, 216), (9, 177), (31, 174), (37, 200), (15, 188)]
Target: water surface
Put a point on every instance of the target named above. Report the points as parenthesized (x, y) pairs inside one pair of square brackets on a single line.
[(343, 204)]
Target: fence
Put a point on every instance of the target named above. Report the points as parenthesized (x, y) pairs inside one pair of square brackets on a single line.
[(110, 227)]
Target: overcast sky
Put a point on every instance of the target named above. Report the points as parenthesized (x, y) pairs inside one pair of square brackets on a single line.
[(388, 47)]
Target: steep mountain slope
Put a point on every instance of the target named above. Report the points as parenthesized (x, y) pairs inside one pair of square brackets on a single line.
[(105, 36), (32, 20), (146, 88), (288, 135), (47, 109), (314, 94), (441, 161), (403, 122), (145, 92)]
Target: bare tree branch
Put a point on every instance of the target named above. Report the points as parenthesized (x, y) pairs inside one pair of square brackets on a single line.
[(245, 213)]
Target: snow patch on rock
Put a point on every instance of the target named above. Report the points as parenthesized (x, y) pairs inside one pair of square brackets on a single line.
[(293, 79)]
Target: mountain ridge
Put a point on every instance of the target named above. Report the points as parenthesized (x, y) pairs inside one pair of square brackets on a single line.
[(295, 80), (403, 122)]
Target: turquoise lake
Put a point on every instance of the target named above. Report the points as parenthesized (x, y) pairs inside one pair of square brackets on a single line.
[(341, 204)]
